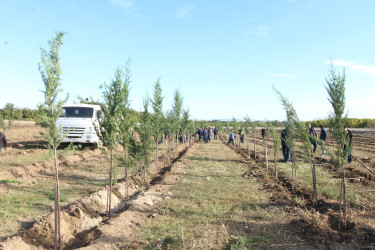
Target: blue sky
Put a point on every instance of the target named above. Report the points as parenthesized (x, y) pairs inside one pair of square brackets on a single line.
[(223, 56)]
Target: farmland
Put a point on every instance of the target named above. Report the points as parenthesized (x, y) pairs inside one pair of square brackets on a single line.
[(212, 196)]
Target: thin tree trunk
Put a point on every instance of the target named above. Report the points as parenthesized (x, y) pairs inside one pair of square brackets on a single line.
[(169, 152), (126, 173), (275, 166), (344, 195), (266, 158), (126, 183), (57, 204), (156, 158), (295, 167), (56, 221), (173, 149), (340, 206), (314, 184), (110, 184), (255, 150), (248, 149)]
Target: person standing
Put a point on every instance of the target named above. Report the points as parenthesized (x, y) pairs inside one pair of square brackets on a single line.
[(242, 132), (199, 132), (313, 134), (206, 135), (209, 134), (232, 138), (215, 133), (323, 138), (3, 142), (284, 146), (263, 133), (349, 137)]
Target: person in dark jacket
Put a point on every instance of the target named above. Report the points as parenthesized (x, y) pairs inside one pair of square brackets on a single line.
[(284, 146), (3, 142), (215, 133), (263, 133), (349, 137), (323, 138), (199, 132), (313, 135), (206, 134)]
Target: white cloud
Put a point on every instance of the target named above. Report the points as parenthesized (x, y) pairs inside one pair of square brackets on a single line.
[(259, 31), (184, 11), (122, 3), (283, 75), (364, 69)]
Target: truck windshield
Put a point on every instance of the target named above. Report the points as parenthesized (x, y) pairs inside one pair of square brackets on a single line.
[(77, 112)]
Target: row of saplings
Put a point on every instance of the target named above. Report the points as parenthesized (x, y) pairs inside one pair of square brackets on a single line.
[(138, 136), (296, 130)]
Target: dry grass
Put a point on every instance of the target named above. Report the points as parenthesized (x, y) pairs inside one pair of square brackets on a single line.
[(214, 205)]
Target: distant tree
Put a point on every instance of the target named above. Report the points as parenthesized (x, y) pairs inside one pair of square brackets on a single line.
[(157, 118), (169, 127), (49, 111), (177, 112), (185, 124), (337, 119), (235, 125), (145, 131)]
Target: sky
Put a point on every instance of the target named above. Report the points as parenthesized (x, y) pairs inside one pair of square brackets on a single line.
[(222, 56)]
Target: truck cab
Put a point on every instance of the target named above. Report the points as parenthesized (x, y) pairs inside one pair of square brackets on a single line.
[(78, 122)]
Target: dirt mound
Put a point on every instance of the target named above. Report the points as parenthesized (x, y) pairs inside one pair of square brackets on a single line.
[(80, 217)]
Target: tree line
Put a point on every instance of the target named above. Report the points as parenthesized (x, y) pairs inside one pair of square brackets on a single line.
[(11, 112)]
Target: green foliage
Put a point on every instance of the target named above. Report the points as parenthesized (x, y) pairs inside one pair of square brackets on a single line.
[(12, 113), (292, 120), (297, 129), (51, 195), (142, 149), (50, 110), (6, 181), (185, 121), (126, 118), (177, 112), (250, 126), (243, 243), (350, 123), (337, 118), (234, 124), (157, 116), (109, 125), (275, 137)]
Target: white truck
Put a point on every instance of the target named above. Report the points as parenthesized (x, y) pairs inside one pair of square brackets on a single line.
[(78, 122)]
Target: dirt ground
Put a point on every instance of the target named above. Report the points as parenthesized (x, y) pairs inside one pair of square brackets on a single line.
[(84, 224)]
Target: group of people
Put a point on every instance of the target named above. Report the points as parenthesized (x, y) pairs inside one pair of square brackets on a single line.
[(232, 137), (206, 134), (284, 144), (314, 142)]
